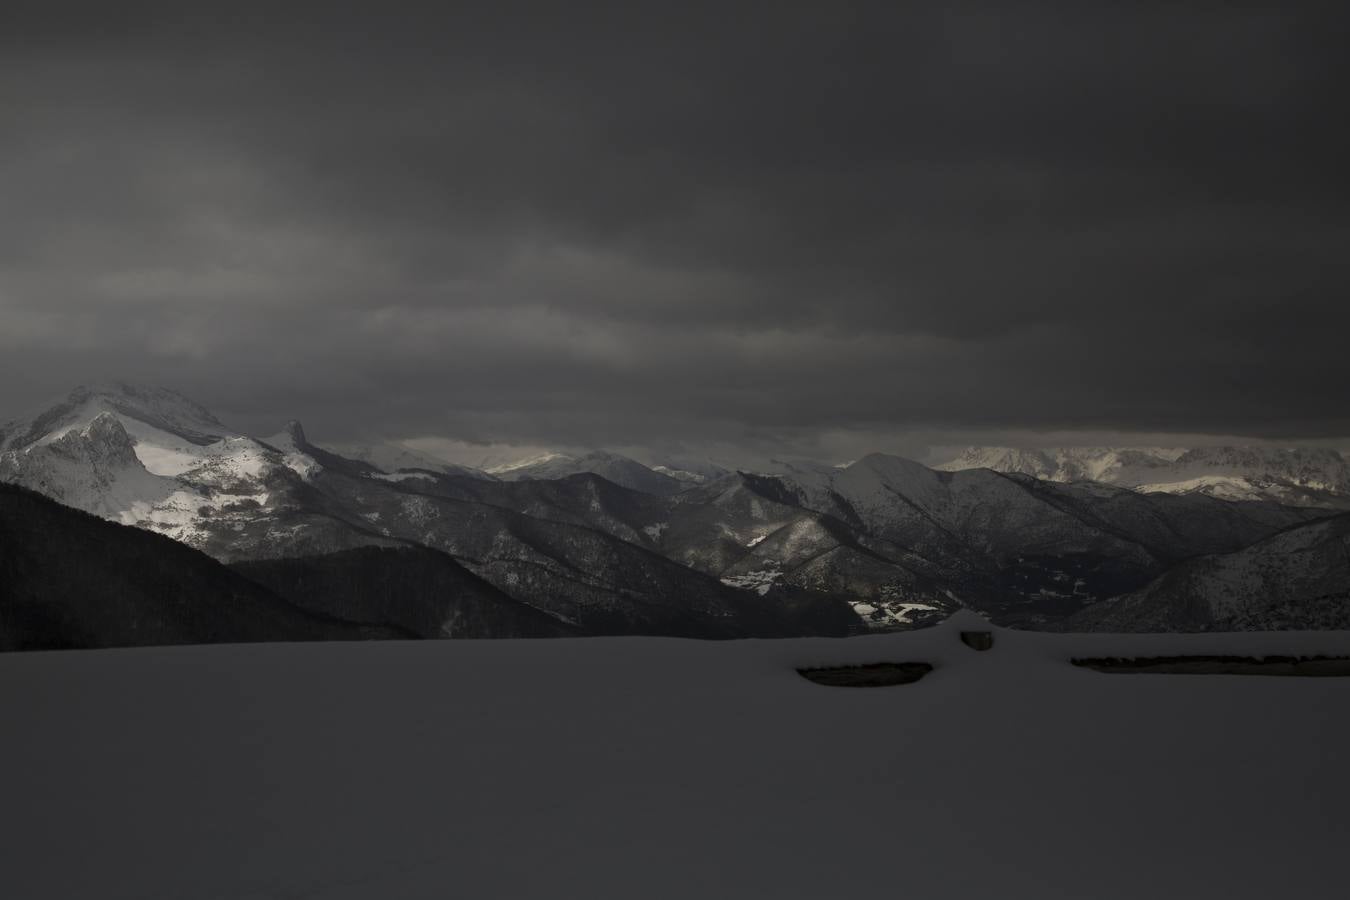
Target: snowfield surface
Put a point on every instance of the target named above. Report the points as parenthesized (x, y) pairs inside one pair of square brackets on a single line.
[(657, 768)]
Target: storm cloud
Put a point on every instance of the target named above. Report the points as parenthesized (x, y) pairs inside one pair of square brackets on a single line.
[(683, 224)]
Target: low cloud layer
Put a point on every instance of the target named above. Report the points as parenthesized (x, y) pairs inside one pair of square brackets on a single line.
[(736, 225)]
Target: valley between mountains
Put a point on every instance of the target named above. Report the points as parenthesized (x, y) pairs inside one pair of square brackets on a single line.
[(132, 515)]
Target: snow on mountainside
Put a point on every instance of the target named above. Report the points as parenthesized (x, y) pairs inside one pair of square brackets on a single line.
[(93, 467), (683, 475), (689, 470), (149, 457), (614, 466), (153, 410), (1024, 550), (1295, 476), (291, 442), (1111, 465), (524, 462), (1298, 578), (900, 499)]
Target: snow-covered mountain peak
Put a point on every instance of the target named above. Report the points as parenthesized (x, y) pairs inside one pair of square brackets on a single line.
[(155, 406), (145, 456), (173, 436), (137, 407), (104, 438), (94, 468)]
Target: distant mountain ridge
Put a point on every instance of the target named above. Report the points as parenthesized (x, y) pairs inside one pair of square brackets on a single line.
[(156, 408), (601, 544), (392, 458), (616, 467), (1297, 476)]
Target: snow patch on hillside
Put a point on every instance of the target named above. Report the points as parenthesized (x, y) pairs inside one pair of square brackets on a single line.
[(761, 581), (402, 476)]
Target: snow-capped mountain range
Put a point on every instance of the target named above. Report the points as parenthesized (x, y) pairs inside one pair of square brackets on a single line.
[(600, 543), (1296, 476)]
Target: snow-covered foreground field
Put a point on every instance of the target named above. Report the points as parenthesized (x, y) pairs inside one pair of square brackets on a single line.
[(652, 768)]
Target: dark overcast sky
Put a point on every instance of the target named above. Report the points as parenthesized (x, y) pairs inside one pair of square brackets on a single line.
[(630, 224)]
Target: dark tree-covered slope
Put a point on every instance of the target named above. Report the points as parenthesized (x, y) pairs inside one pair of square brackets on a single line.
[(1298, 578), (423, 592), (69, 579)]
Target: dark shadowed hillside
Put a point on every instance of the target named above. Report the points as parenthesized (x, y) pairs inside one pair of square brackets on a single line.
[(420, 591), (69, 579), (1298, 578)]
